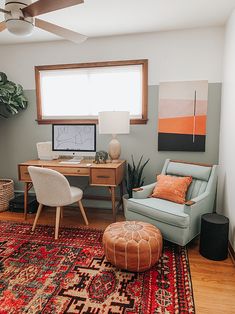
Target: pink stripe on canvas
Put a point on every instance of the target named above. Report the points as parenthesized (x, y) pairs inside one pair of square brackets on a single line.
[(171, 108)]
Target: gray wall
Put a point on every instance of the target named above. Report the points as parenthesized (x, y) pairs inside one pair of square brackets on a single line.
[(19, 135)]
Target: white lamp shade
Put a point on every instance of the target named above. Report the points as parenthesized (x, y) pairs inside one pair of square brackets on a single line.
[(114, 122)]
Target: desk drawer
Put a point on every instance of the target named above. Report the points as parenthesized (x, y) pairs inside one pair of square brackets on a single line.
[(103, 176), (24, 174), (72, 171)]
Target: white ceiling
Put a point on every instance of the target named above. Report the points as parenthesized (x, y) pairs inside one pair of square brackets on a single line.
[(115, 17)]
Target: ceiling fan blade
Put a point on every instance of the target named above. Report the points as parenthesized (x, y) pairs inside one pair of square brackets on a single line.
[(2, 26), (60, 31), (44, 6)]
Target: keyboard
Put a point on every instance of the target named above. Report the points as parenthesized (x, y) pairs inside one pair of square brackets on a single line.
[(70, 162)]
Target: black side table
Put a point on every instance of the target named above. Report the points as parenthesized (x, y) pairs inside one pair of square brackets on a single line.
[(214, 236)]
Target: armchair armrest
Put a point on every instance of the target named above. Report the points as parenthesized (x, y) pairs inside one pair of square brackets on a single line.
[(197, 199), (137, 189), (189, 203), (143, 191), (199, 204)]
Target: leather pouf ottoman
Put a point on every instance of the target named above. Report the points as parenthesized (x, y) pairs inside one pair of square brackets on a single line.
[(132, 245)]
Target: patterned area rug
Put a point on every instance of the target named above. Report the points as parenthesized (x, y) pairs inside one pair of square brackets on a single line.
[(71, 275)]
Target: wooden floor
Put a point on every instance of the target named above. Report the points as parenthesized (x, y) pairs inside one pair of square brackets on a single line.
[(213, 282)]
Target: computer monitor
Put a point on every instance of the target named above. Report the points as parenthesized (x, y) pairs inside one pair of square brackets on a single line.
[(78, 140)]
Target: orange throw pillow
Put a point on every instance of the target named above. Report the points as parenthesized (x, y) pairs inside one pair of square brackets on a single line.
[(172, 188)]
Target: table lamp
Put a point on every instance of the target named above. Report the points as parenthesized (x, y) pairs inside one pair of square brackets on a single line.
[(114, 122)]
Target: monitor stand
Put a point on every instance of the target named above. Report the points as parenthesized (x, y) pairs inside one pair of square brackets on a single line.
[(76, 159)]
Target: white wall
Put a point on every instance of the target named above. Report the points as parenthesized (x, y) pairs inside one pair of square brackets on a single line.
[(176, 55), (226, 199)]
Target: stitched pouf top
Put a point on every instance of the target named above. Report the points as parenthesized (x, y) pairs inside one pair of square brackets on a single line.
[(132, 245)]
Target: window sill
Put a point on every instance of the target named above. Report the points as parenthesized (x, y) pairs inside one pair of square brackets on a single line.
[(82, 121)]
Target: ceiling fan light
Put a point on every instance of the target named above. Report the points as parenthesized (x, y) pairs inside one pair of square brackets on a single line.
[(19, 27)]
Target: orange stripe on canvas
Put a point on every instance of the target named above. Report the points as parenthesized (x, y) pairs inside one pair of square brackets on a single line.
[(183, 125)]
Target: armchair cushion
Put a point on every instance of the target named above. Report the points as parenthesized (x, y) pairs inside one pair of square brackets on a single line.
[(183, 169), (197, 187), (172, 188), (161, 210)]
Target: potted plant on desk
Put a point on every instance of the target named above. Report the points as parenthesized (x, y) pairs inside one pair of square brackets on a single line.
[(134, 177)]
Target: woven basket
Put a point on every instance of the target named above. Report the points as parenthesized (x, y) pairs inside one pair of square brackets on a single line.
[(6, 193)]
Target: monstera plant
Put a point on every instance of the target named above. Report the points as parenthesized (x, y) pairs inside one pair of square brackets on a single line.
[(12, 99)]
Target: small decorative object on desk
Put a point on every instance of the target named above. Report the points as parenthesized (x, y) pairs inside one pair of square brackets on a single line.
[(101, 157)]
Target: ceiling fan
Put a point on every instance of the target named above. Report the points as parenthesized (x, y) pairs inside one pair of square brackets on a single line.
[(20, 18)]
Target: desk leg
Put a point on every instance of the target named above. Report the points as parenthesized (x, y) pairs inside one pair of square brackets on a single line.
[(112, 192), (27, 187)]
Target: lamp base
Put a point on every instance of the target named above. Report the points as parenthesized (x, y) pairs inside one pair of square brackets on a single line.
[(114, 150), (115, 161)]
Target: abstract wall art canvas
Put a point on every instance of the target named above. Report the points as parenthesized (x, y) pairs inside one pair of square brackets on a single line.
[(182, 116)]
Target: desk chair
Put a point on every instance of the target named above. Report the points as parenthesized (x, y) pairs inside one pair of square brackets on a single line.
[(53, 189)]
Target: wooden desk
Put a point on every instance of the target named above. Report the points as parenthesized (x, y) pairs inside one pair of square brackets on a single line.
[(109, 174)]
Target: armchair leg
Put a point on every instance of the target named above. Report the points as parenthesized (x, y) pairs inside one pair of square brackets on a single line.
[(83, 212), (37, 216), (57, 222)]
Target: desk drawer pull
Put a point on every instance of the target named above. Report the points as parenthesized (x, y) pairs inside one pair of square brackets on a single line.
[(27, 173), (78, 171), (103, 177)]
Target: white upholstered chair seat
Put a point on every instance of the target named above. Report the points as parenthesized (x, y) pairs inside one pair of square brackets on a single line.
[(53, 189), (76, 194)]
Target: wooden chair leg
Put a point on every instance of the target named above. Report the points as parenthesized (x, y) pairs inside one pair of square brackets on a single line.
[(37, 216), (57, 222), (83, 212)]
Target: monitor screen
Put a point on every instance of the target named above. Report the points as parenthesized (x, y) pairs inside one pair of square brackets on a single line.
[(74, 137)]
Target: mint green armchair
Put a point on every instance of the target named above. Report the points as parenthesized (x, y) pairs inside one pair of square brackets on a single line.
[(179, 223)]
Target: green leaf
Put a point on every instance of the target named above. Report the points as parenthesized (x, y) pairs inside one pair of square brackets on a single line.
[(19, 89), (10, 87), (12, 109), (141, 170), (3, 78), (134, 174), (139, 163), (12, 99), (4, 92)]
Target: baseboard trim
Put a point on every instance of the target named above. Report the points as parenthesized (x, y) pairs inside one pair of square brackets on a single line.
[(231, 252)]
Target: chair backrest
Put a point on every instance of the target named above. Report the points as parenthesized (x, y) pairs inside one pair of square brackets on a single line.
[(201, 175), (51, 187)]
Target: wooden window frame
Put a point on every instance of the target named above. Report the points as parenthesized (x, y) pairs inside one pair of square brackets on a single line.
[(143, 62)]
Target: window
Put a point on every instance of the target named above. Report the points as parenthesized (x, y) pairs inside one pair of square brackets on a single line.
[(75, 93)]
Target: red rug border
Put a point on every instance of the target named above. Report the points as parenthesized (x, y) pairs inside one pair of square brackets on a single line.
[(190, 277)]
